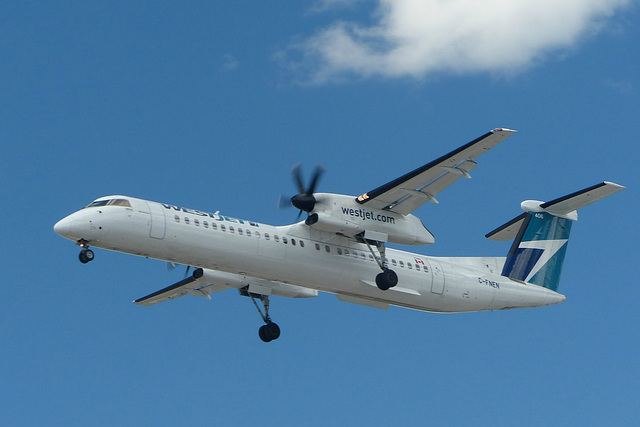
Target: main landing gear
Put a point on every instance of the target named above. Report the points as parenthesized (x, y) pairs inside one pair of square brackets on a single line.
[(269, 331), (388, 278), (86, 254)]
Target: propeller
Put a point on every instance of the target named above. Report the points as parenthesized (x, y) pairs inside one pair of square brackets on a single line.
[(304, 200)]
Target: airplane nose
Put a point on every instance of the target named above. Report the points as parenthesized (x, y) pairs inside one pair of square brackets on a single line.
[(63, 227)]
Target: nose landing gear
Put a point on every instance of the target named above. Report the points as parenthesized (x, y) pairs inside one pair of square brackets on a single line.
[(86, 254)]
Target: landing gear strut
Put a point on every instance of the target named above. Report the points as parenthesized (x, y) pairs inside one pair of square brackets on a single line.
[(270, 330), (388, 278), (86, 254)]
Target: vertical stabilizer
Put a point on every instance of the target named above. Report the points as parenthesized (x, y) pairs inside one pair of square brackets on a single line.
[(542, 234), (538, 251)]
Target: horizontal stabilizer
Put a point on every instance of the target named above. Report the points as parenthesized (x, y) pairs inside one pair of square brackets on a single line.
[(507, 231), (563, 206), (580, 199)]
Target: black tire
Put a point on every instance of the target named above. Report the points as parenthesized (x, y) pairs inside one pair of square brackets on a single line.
[(272, 331), (263, 334), (392, 277), (85, 256), (387, 279), (381, 282)]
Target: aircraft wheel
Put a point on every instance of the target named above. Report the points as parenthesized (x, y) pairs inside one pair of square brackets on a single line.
[(86, 255), (261, 334), (387, 279), (272, 330), (269, 332)]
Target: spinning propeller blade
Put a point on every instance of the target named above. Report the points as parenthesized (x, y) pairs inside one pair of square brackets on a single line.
[(305, 201)]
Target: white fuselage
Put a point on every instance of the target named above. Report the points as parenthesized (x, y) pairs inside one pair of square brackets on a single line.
[(300, 256)]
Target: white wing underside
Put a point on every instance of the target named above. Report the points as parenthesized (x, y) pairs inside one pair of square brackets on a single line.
[(407, 193)]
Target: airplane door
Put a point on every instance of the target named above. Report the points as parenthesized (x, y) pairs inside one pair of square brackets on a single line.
[(437, 276), (158, 225)]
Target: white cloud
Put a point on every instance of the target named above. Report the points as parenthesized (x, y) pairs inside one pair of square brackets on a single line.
[(624, 87), (418, 37), (230, 62)]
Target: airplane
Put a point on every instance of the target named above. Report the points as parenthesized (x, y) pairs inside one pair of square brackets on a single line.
[(340, 248)]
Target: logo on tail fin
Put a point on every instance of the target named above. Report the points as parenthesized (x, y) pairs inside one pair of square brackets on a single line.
[(538, 251)]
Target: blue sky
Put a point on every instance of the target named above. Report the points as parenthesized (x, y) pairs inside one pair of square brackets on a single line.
[(209, 105)]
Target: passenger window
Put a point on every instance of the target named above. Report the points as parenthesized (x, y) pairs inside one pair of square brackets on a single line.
[(240, 231), (214, 225), (339, 251), (293, 242), (258, 234), (401, 264), (394, 262), (302, 243), (410, 266), (418, 267), (346, 251), (284, 240), (177, 218), (223, 227), (362, 255), (425, 269), (248, 233), (206, 224), (231, 229), (196, 222), (370, 257), (276, 238), (266, 236), (186, 220), (327, 248), (317, 246)]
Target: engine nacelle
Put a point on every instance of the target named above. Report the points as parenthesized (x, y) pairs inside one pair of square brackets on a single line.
[(324, 222), (337, 213)]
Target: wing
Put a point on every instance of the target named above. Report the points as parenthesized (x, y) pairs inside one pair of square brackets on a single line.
[(198, 284), (405, 194), (204, 282)]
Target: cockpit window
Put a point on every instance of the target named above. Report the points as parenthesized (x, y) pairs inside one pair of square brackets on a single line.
[(98, 203), (110, 202), (119, 202)]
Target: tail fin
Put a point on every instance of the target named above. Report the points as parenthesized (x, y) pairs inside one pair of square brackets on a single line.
[(542, 234)]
